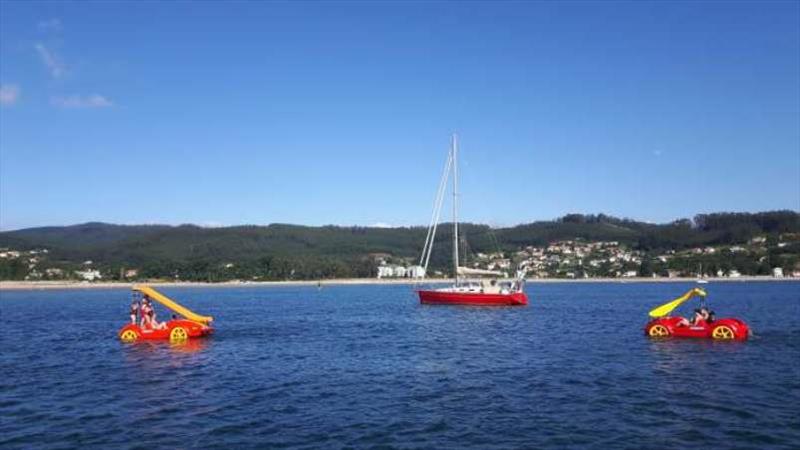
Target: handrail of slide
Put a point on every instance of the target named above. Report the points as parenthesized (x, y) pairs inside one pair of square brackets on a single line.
[(667, 308), (174, 306)]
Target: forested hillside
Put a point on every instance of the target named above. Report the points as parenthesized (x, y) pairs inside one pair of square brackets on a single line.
[(281, 251)]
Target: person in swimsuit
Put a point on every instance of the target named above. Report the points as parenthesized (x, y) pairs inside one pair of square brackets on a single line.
[(145, 314), (151, 313), (701, 317), (134, 311)]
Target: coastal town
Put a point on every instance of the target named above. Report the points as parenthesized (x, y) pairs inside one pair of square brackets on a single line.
[(579, 259), (565, 259)]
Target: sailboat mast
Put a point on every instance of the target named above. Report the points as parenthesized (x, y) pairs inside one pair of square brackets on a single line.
[(455, 208)]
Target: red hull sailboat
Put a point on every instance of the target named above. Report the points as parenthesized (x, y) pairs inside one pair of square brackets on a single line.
[(465, 292), (449, 297)]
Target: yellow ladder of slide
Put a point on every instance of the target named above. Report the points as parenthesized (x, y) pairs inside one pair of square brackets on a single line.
[(174, 306), (667, 308)]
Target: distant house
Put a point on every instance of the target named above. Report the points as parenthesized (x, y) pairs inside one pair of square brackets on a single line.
[(401, 272), (630, 274), (33, 275), (53, 272), (131, 273), (777, 272), (734, 274), (89, 274), (416, 272)]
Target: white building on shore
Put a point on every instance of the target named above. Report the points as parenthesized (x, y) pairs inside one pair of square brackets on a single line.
[(401, 272), (89, 274)]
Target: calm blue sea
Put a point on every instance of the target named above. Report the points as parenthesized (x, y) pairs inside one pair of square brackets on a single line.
[(368, 367)]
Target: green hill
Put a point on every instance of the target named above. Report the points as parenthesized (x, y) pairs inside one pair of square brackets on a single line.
[(281, 251)]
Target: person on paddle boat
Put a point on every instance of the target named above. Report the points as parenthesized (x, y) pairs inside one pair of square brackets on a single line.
[(134, 311), (149, 316), (701, 317), (155, 323), (146, 324)]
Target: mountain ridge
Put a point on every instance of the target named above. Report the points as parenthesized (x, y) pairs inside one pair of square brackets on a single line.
[(349, 251)]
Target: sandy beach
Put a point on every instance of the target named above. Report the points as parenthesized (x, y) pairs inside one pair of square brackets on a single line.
[(41, 285)]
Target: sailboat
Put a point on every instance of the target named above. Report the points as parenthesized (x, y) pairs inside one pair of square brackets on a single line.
[(463, 291)]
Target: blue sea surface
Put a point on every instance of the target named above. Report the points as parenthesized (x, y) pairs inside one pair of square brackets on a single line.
[(369, 367)]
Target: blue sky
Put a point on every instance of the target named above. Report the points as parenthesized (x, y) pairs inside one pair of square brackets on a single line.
[(340, 113)]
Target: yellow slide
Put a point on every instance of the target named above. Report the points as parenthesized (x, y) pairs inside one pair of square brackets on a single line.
[(667, 308), (166, 301)]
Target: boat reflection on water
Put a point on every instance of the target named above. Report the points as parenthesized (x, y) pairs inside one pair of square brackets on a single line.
[(189, 346), (671, 355), (185, 346)]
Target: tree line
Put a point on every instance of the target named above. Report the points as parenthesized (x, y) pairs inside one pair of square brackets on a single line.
[(282, 251)]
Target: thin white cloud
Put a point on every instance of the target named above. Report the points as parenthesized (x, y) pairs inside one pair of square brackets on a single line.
[(82, 101), (381, 225), (212, 224), (9, 93), (49, 25), (51, 61)]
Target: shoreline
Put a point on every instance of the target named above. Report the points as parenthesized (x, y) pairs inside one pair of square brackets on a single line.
[(55, 285)]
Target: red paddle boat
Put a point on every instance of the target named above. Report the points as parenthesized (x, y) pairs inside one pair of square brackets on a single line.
[(702, 325), (192, 325)]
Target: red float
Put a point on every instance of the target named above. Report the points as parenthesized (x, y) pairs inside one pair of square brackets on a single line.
[(176, 330), (192, 325), (721, 329), (663, 325)]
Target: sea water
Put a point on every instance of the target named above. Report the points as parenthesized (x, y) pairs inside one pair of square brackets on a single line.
[(368, 366)]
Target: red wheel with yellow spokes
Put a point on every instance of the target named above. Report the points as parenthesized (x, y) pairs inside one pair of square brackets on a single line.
[(178, 334), (658, 331), (129, 336), (723, 333)]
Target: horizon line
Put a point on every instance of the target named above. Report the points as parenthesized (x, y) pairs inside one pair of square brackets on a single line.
[(381, 225)]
